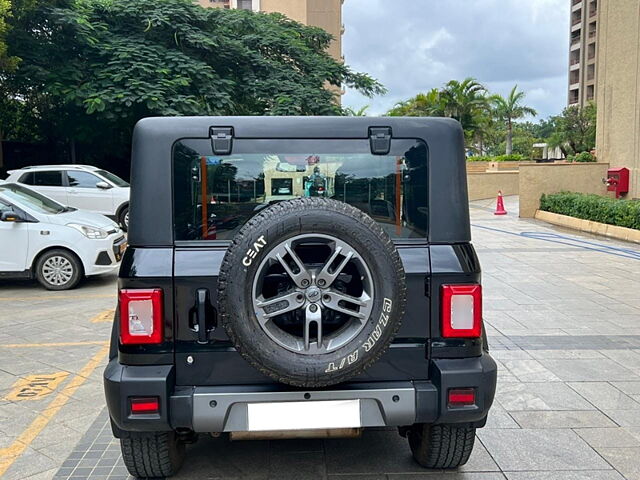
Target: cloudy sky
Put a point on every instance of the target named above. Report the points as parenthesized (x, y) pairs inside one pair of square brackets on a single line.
[(412, 46)]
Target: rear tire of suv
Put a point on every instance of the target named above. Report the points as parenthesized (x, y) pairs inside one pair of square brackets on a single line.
[(152, 454), (58, 270), (441, 446)]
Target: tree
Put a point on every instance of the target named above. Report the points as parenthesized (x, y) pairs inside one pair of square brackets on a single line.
[(575, 130), (510, 109), (466, 101), (101, 66), (361, 112), (422, 105)]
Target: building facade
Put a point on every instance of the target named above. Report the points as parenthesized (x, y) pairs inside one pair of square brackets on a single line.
[(326, 14), (618, 97), (583, 52)]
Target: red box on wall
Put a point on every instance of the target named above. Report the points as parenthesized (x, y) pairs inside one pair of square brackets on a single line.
[(618, 181)]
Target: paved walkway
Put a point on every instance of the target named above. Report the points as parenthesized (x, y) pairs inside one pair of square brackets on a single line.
[(563, 315)]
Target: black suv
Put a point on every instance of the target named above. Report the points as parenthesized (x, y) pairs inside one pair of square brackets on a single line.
[(298, 277)]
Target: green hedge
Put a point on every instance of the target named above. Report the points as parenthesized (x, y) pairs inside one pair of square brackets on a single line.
[(500, 158), (623, 213), (583, 157)]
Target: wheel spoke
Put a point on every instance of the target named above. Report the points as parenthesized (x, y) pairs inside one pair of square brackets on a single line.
[(325, 277), (273, 307), (302, 278), (310, 317), (335, 301)]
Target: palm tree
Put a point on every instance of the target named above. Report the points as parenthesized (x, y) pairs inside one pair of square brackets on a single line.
[(465, 101), (422, 105), (361, 112), (510, 109)]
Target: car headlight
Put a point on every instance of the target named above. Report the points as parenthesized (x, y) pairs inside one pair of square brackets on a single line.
[(89, 232)]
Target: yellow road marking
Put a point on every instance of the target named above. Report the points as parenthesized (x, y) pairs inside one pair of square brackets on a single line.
[(34, 387), (9, 454), (57, 297), (106, 316), (59, 344)]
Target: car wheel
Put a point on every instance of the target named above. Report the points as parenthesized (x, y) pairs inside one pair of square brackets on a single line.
[(123, 219), (311, 292), (441, 446), (152, 454), (58, 270)]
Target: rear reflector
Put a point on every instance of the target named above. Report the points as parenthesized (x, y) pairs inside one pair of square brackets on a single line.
[(140, 316), (461, 311), (145, 405), (462, 397)]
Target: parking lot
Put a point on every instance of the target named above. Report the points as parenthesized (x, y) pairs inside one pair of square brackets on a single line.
[(562, 312)]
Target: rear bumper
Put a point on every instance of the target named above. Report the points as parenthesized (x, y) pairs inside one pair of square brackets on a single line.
[(224, 408)]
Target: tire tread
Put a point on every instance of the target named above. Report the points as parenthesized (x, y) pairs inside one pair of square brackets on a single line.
[(441, 446), (149, 455)]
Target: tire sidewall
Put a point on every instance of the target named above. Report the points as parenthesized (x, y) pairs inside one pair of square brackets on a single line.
[(348, 360)]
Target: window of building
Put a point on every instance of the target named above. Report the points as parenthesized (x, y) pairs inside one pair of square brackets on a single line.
[(245, 4), (82, 179), (214, 196)]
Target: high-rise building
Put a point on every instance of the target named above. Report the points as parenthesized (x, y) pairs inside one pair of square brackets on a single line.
[(326, 14), (618, 126), (583, 52)]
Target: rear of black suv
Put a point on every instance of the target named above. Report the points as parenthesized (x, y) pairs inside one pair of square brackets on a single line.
[(298, 276)]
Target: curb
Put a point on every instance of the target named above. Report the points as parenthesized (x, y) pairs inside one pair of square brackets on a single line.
[(588, 226)]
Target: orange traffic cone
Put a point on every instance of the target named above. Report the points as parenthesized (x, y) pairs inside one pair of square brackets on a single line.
[(500, 205)]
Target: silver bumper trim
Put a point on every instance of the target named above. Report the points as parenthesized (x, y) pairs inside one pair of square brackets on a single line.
[(216, 411)]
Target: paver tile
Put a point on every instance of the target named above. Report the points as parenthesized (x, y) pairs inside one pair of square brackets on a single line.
[(625, 460), (532, 450), (562, 419), (608, 437)]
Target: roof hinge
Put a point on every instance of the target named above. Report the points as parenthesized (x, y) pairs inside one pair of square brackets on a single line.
[(221, 140), (380, 140)]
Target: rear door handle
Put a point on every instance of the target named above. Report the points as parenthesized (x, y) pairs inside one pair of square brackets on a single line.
[(202, 305)]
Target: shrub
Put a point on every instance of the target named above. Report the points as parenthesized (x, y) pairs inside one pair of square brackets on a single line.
[(584, 157), (500, 158), (623, 213)]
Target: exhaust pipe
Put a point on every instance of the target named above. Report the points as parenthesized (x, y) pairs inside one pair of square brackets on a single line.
[(293, 434)]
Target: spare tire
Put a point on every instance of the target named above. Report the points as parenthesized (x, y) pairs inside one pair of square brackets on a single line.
[(311, 292)]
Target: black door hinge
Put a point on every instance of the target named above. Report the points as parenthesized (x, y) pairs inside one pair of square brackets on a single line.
[(221, 140), (427, 286), (380, 140)]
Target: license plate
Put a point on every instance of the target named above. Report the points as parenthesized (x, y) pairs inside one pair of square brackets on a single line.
[(304, 415)]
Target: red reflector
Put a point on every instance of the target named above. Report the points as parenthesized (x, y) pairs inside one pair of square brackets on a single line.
[(140, 316), (461, 397), (461, 307), (145, 405)]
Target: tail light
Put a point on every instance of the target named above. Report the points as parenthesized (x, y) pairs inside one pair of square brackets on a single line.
[(145, 405), (140, 316), (462, 397), (461, 308)]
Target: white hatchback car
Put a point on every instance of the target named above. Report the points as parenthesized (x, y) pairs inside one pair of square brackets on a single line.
[(79, 186), (58, 245)]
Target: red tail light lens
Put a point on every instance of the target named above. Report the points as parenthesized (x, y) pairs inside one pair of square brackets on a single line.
[(140, 316), (461, 307), (462, 397), (141, 405)]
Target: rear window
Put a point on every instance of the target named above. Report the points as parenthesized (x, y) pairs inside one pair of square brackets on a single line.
[(42, 179), (392, 189)]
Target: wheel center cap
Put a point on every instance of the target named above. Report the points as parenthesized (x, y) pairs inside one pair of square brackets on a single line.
[(313, 294)]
